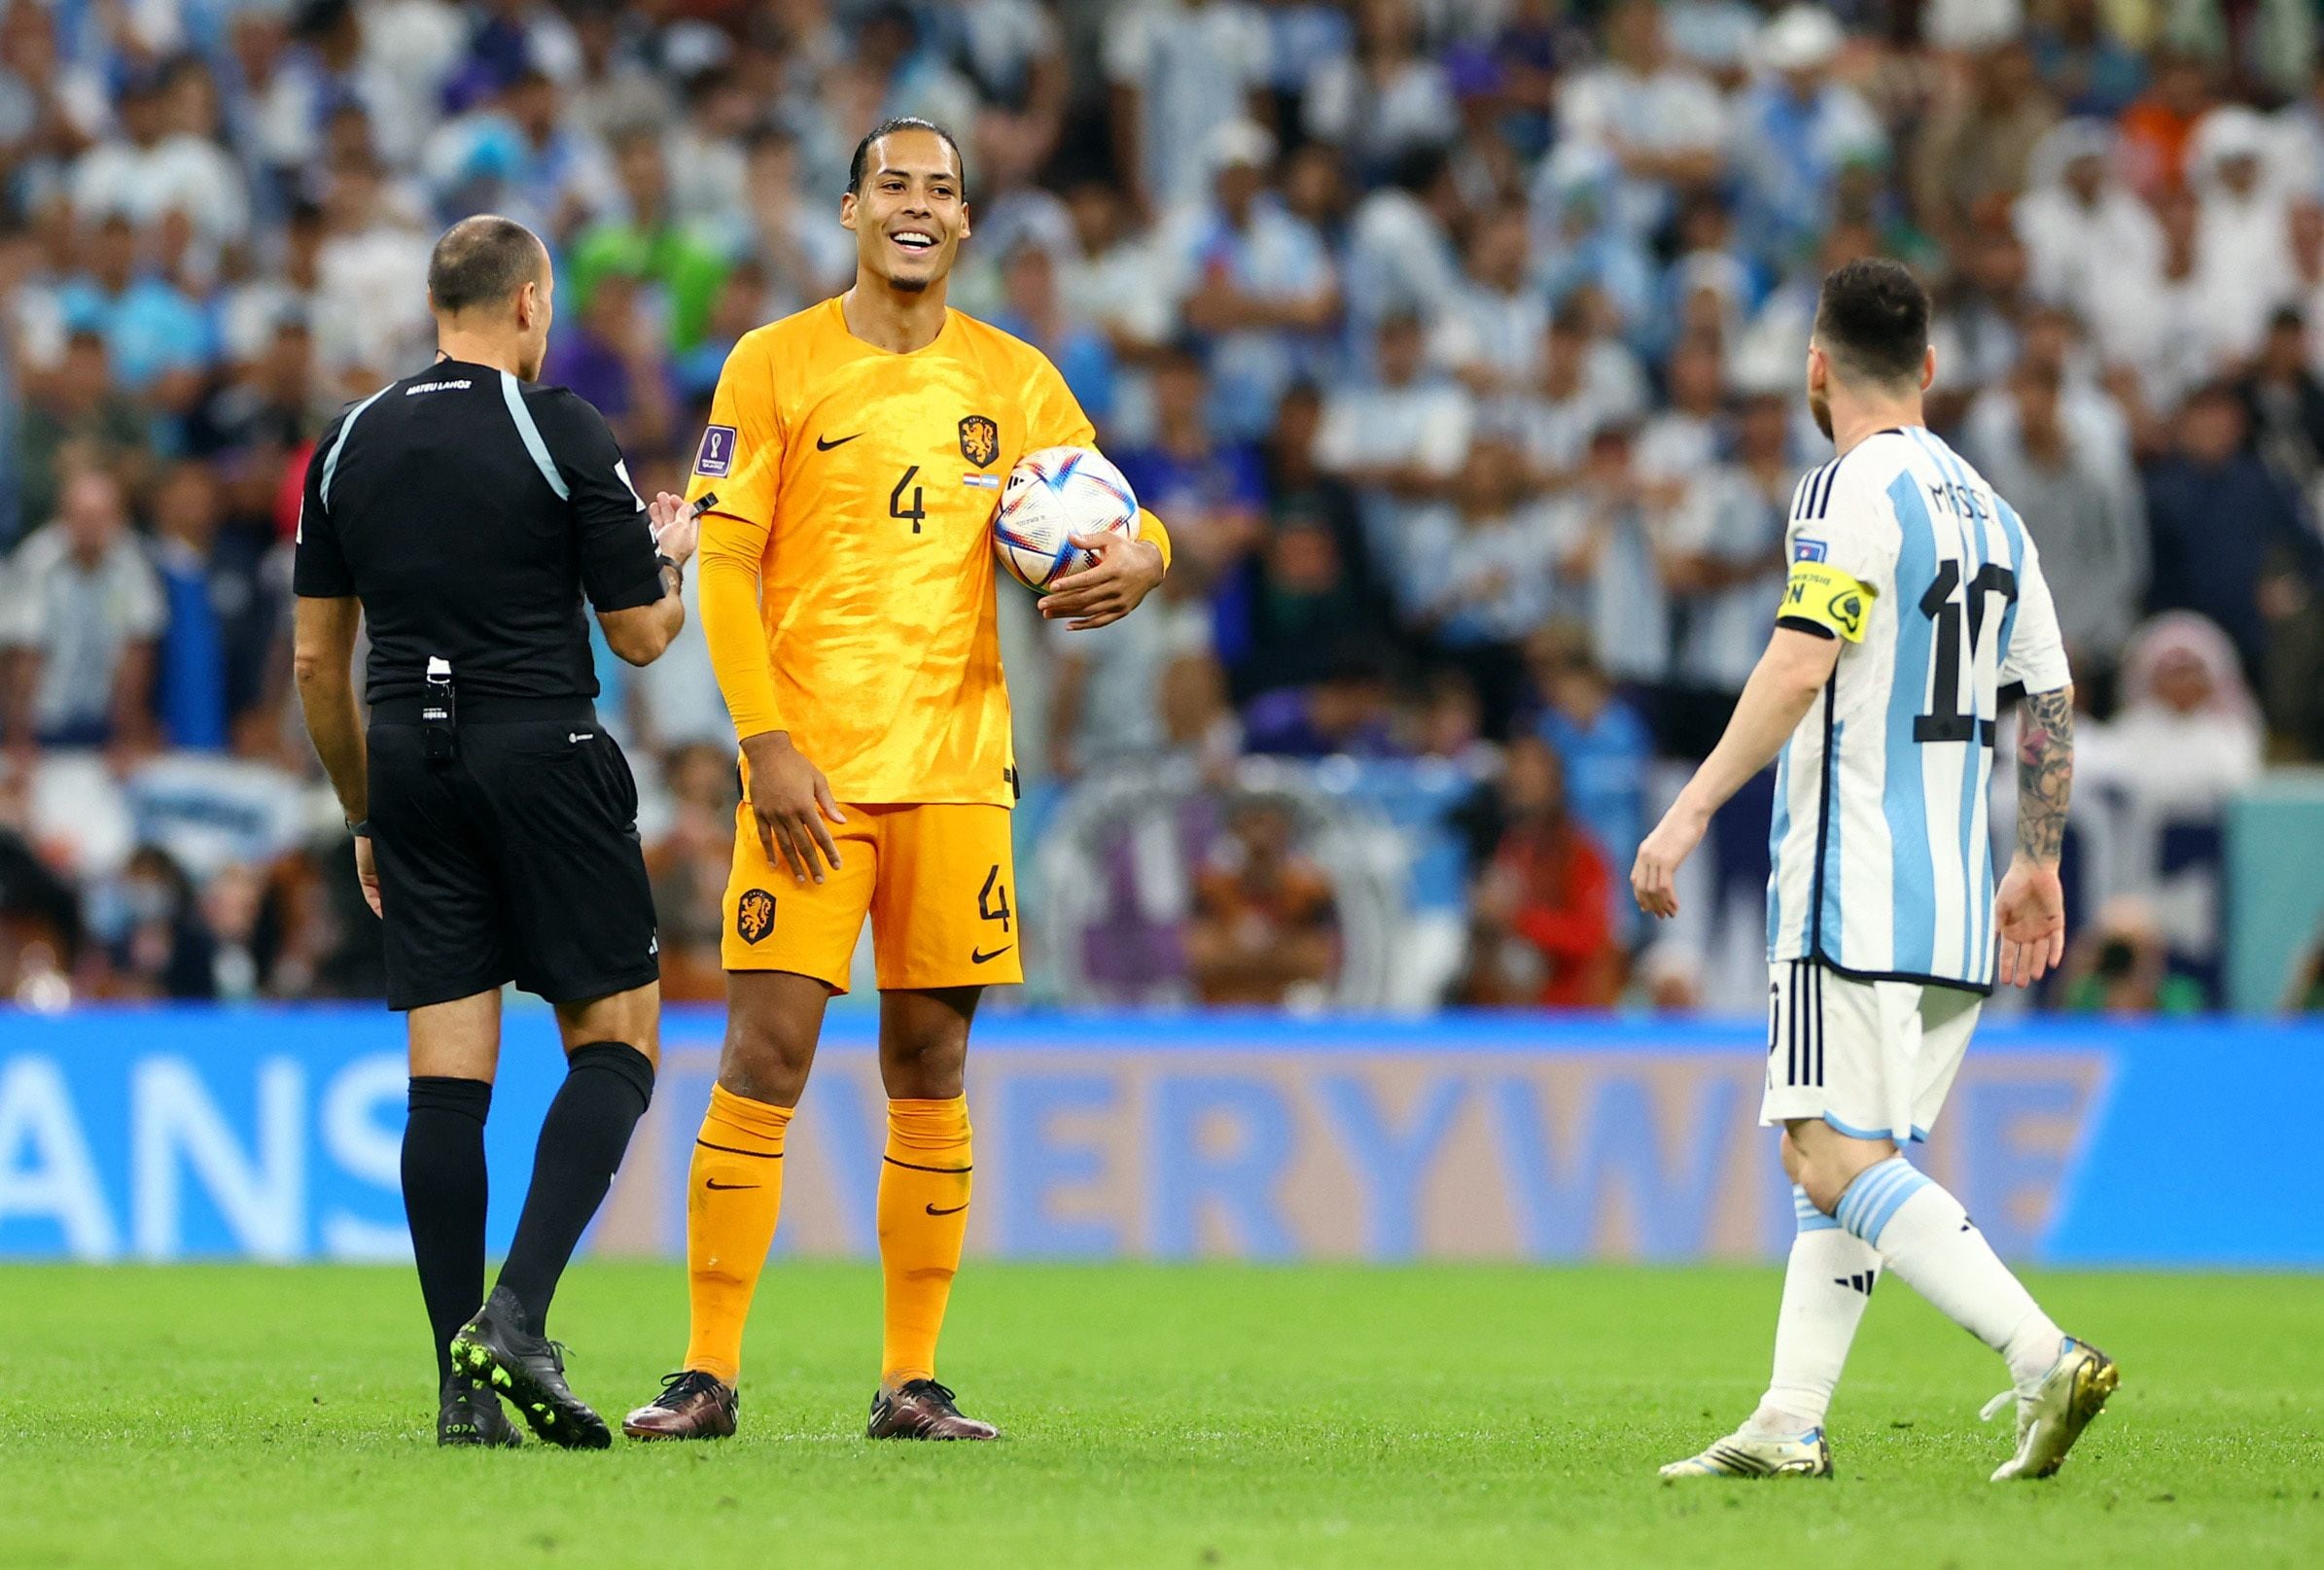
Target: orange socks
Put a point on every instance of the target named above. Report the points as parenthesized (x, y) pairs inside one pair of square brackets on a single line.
[(733, 1197), (735, 1194), (922, 1216)]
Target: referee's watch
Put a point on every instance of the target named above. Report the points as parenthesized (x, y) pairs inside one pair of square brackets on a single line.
[(675, 570), (360, 829)]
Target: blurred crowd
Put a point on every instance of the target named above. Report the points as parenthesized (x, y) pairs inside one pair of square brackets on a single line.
[(1460, 341)]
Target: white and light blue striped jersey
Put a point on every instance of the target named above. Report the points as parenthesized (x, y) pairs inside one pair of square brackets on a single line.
[(1883, 865)]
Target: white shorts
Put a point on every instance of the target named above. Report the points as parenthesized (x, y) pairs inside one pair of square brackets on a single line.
[(1873, 1059)]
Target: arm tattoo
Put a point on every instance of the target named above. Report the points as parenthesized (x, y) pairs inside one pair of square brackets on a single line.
[(2045, 773)]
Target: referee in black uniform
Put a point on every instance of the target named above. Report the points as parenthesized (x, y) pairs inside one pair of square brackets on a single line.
[(464, 513)]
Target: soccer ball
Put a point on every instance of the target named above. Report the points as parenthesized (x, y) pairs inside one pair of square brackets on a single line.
[(1051, 494)]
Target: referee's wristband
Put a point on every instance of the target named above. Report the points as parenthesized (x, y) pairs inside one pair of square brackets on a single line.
[(360, 829), (675, 570)]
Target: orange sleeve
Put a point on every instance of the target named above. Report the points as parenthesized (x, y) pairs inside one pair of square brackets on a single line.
[(736, 472), (1053, 418)]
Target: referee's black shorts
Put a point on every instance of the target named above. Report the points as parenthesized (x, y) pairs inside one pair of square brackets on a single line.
[(517, 861)]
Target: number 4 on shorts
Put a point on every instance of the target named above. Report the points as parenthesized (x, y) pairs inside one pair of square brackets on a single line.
[(992, 900)]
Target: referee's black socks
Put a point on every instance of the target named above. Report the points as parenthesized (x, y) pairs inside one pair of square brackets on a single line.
[(606, 1085), (444, 1198)]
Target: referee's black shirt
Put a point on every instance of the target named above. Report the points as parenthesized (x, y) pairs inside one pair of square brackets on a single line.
[(470, 512)]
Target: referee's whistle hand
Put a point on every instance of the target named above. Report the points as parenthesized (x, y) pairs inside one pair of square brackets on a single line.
[(676, 529), (791, 803)]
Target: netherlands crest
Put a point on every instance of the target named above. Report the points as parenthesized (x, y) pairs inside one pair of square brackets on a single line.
[(754, 915), (980, 439)]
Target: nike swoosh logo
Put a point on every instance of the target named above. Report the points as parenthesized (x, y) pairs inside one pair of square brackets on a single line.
[(978, 957), (955, 1210), (821, 446), (711, 1182)]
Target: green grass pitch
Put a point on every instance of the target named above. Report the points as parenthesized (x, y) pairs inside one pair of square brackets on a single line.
[(1155, 1416)]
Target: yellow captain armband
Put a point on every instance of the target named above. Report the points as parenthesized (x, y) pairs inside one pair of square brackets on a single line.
[(1824, 595)]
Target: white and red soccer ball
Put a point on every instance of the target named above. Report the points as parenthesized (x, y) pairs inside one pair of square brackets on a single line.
[(1051, 496)]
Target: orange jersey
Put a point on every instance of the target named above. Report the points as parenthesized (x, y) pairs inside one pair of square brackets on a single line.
[(852, 490)]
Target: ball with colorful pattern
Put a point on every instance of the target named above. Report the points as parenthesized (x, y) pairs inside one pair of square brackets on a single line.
[(1051, 496)]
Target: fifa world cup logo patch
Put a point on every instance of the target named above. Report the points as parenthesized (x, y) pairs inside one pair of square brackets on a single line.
[(980, 439), (754, 915)]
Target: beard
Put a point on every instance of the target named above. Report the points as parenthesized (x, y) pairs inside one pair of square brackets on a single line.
[(1821, 407), (908, 286)]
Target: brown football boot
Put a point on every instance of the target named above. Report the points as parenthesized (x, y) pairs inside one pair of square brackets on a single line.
[(693, 1405), (922, 1409)]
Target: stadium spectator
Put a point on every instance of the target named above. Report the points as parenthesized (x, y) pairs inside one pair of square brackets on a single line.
[(2081, 504), (1314, 581), (1543, 931), (1263, 930), (1606, 533), (1490, 333), (688, 863), (1345, 713), (1663, 127), (1402, 255), (80, 608), (150, 920), (1476, 575), (2081, 54), (156, 341), (162, 159), (223, 615), (1385, 98), (2231, 542), (1211, 488), (2120, 965), (1979, 142), (1794, 131), (74, 409), (645, 238), (2077, 221), (1722, 555), (1037, 311), (616, 358), (1397, 440), (1600, 738), (2188, 736), (2283, 399), (1259, 288), (1180, 69)]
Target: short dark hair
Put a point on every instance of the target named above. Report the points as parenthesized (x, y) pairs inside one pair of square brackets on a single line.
[(1872, 317), (888, 127), (481, 261)]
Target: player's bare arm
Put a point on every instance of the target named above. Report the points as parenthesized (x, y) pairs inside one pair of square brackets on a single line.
[(2029, 910), (1783, 688), (323, 655), (1127, 571)]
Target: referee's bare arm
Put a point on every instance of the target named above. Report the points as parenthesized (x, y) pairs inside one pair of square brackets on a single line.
[(323, 658), (326, 617)]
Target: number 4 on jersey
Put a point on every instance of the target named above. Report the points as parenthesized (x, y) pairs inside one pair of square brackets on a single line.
[(895, 508)]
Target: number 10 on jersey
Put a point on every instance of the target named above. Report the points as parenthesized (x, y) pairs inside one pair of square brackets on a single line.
[(1962, 619)]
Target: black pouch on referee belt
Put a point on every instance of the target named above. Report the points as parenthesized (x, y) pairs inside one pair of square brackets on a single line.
[(440, 714)]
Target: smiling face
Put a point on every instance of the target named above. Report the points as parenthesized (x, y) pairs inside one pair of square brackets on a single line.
[(908, 215)]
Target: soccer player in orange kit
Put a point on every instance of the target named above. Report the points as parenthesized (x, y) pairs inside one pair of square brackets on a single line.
[(846, 485)]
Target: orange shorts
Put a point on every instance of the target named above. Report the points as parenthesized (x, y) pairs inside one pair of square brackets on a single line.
[(937, 881)]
